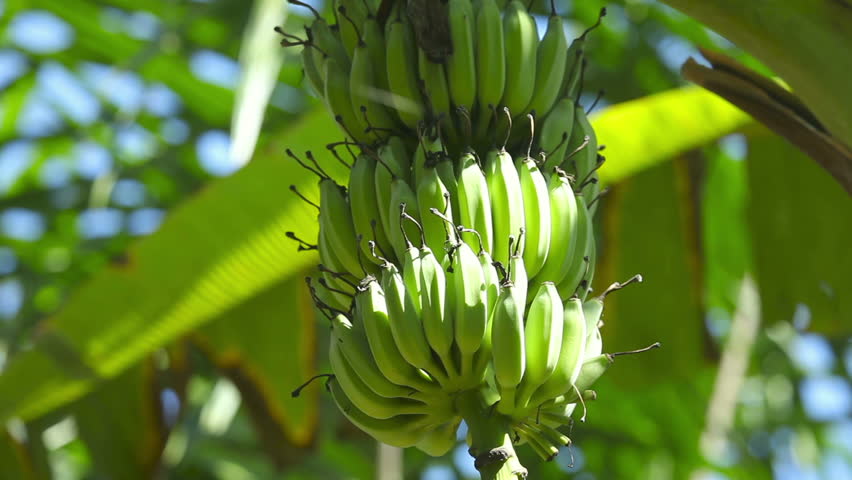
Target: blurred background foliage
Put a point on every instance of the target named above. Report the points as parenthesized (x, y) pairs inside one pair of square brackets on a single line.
[(174, 355)]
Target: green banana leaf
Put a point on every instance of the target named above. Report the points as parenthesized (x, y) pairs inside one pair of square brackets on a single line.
[(648, 229), (121, 445), (806, 42), (800, 224), (267, 347), (218, 249), (641, 133), (234, 230)]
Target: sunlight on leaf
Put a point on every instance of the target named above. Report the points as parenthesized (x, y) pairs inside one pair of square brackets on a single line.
[(641, 133), (218, 249)]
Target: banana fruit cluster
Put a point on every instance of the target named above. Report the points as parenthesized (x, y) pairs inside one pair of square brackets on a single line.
[(377, 79), (442, 275), (449, 265)]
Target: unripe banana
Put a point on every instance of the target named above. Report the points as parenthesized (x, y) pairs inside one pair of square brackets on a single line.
[(401, 194), (393, 163), (507, 345), (461, 64), (339, 101), (336, 220), (521, 37), (543, 340), (436, 323), (507, 202), (471, 304), (540, 445), (375, 40), (474, 202), (492, 287), (364, 205), (563, 206), (327, 39), (432, 193), (402, 76), (584, 238), (312, 72), (435, 87), (405, 324), (593, 368), (401, 431), (353, 344), (571, 355), (550, 64), (440, 440), (490, 59), (373, 117), (365, 399), (586, 159), (518, 276), (574, 64), (555, 133), (371, 309), (349, 20), (333, 296), (429, 151), (537, 217)]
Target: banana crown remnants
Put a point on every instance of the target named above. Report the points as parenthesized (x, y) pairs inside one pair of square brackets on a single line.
[(457, 261)]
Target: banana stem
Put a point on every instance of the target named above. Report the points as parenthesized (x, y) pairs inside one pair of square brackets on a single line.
[(491, 442)]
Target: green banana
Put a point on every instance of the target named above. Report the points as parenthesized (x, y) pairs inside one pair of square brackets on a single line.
[(334, 297), (350, 15), (364, 205), (518, 274), (550, 63), (507, 345), (401, 194), (586, 160), (437, 323), (521, 40), (312, 72), (402, 74), (336, 221), (440, 440), (435, 86), (373, 117), (432, 193), (543, 340), (537, 218), (405, 324), (365, 399), (339, 101), (471, 303), (393, 163), (563, 206), (328, 44), (353, 344), (400, 431), (371, 308), (507, 202), (584, 238), (571, 354), (490, 59), (461, 64), (555, 132), (474, 201)]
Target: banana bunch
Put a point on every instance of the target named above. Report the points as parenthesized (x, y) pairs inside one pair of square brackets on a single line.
[(443, 275), (383, 72), (450, 267)]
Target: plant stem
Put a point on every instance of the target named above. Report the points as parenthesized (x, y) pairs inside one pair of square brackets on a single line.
[(491, 442)]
